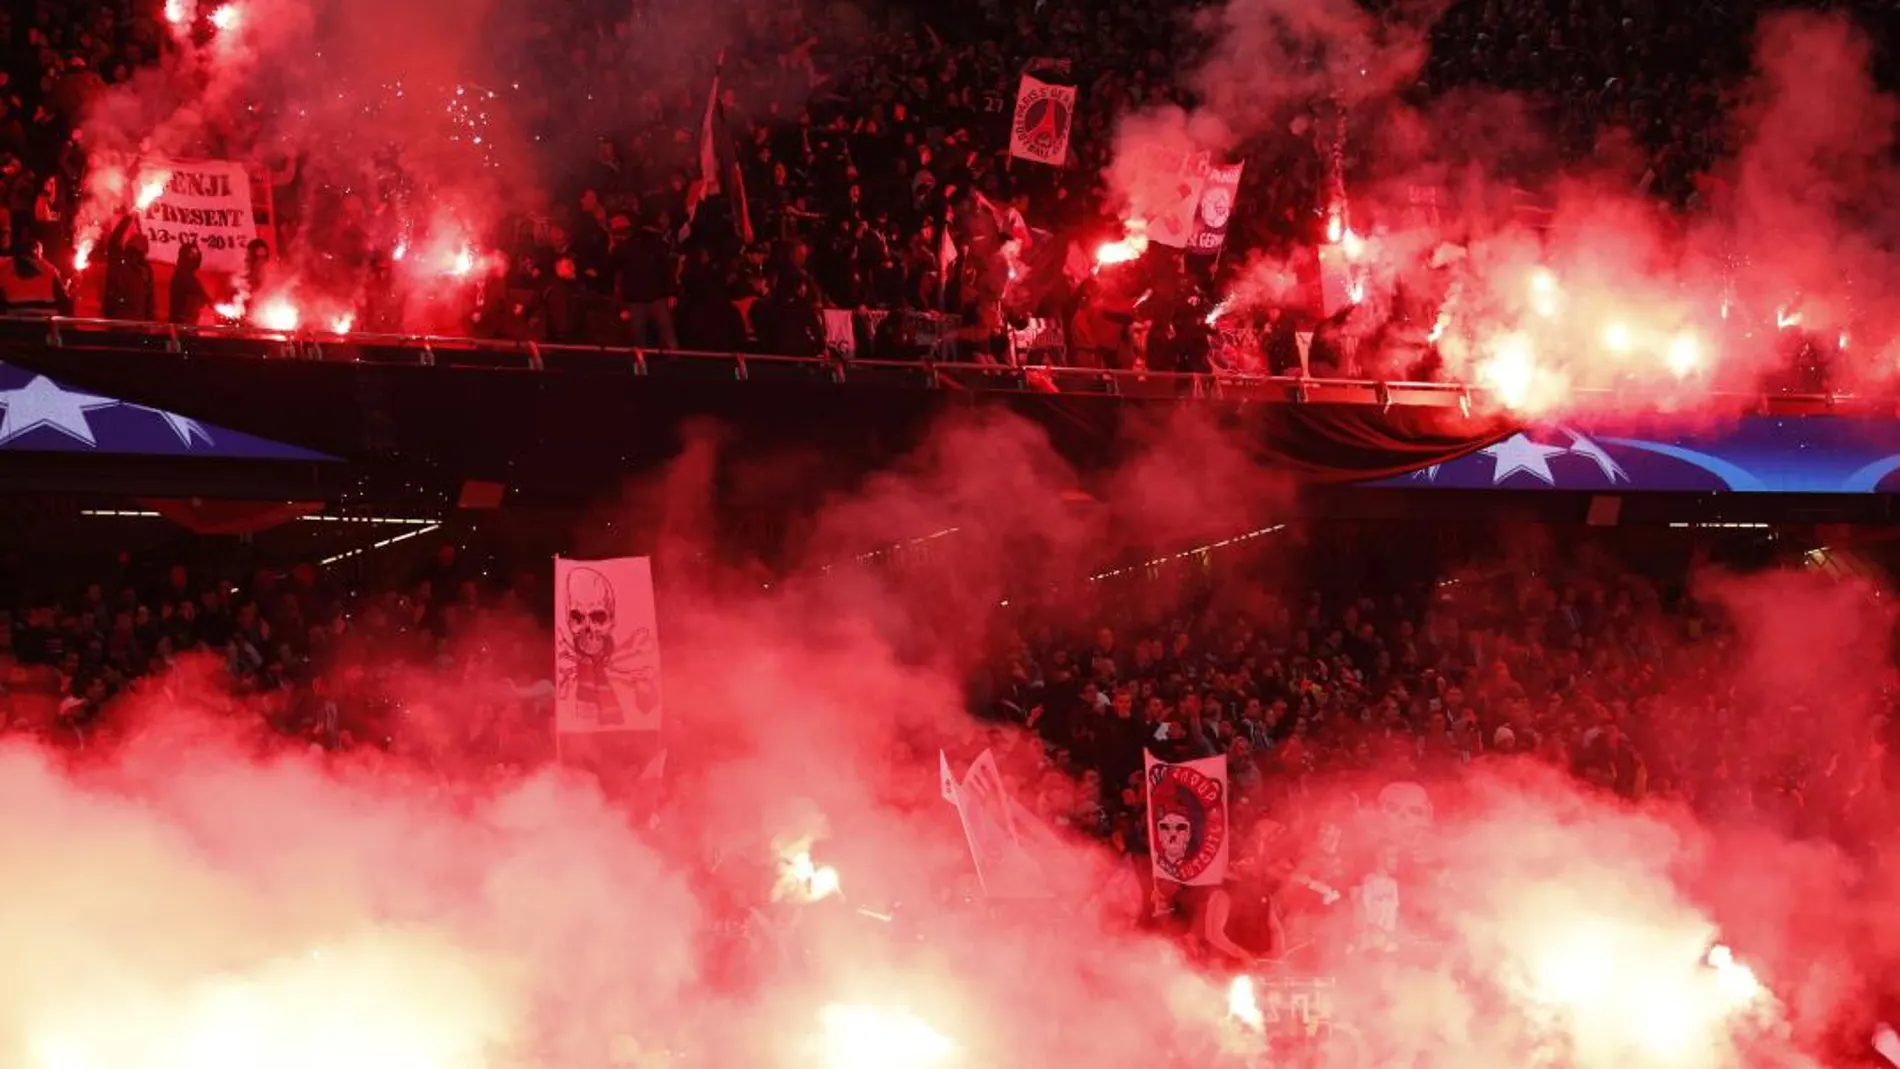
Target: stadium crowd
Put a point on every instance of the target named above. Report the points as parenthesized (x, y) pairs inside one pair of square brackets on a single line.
[(1590, 665), (860, 134)]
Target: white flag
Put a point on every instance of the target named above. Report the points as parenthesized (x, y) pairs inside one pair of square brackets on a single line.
[(1175, 197), (606, 646), (946, 779), (1044, 117), (1187, 820), (992, 822)]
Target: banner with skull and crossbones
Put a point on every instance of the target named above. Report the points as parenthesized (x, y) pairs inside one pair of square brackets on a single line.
[(1187, 820), (606, 646)]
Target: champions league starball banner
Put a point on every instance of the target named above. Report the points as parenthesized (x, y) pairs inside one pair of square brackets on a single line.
[(1187, 819), (1757, 454), (606, 647)]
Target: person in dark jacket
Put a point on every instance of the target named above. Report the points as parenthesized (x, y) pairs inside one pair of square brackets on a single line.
[(189, 298), (129, 291), (29, 286), (788, 322), (561, 303), (644, 276), (708, 320)]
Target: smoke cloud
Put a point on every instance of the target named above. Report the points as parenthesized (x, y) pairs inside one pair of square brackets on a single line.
[(192, 895), (1605, 302)]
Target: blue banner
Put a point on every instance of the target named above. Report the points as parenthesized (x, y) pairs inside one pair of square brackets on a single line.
[(38, 414), (1759, 454)]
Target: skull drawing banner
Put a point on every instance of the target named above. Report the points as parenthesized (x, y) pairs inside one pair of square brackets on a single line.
[(1187, 820), (606, 646)]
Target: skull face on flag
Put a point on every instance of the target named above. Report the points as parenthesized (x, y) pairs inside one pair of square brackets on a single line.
[(1187, 821)]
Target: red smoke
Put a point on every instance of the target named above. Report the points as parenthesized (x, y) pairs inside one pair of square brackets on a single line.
[(190, 896), (1618, 305)]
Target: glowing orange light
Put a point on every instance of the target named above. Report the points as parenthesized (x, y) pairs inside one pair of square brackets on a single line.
[(342, 324), (1134, 242), (278, 314), (462, 264), (1335, 227), (229, 309), (151, 186), (1352, 244), (1511, 371), (1243, 1004), (402, 251), (82, 253), (227, 18), (865, 1037), (1214, 314), (1616, 338), (1684, 355), (1544, 292), (178, 12)]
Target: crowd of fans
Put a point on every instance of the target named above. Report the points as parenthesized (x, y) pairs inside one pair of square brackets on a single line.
[(1325, 688), (860, 134), (1624, 681), (288, 650)]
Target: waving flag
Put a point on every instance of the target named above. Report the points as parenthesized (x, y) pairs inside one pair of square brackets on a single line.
[(719, 161)]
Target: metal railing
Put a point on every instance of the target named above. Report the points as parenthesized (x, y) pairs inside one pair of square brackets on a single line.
[(112, 337)]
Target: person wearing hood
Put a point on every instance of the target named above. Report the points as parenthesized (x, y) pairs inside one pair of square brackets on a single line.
[(189, 298), (29, 286), (129, 287)]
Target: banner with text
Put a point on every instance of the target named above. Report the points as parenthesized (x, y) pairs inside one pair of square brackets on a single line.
[(1218, 194), (1187, 820), (1045, 114), (606, 647), (205, 202)]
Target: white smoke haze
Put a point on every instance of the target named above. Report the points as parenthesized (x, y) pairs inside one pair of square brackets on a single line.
[(185, 897)]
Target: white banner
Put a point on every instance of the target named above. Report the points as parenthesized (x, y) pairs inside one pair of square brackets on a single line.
[(841, 333), (606, 646), (205, 202), (1000, 832), (1176, 197), (1187, 820), (1044, 117)]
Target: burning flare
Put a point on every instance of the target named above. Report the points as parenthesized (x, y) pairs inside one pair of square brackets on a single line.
[(1684, 355), (151, 186), (802, 879), (227, 18), (1511, 371), (278, 314), (1544, 292), (867, 1037), (461, 263), (1134, 242), (1243, 1004)]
